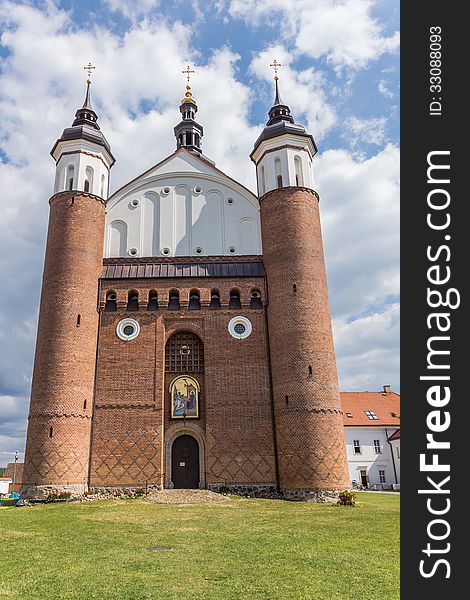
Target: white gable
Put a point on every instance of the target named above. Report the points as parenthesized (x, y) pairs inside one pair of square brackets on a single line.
[(182, 207)]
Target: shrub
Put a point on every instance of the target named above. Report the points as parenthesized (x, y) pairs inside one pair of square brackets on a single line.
[(139, 492), (347, 499), (223, 489)]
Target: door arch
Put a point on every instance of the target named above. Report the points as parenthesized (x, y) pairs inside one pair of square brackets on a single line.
[(185, 462)]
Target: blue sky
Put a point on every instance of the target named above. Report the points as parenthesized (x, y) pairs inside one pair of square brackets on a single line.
[(340, 76)]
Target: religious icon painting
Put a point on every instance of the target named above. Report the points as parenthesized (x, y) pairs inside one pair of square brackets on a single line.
[(184, 394)]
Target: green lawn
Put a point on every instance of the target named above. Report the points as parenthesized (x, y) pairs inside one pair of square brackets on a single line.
[(245, 548)]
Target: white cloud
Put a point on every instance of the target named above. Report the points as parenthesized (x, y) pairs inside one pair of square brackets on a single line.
[(344, 32), (383, 89), (373, 341), (369, 131), (303, 90), (132, 9)]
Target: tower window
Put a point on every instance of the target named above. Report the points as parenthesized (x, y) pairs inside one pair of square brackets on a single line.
[(215, 299), (111, 305), (79, 318), (69, 177), (287, 400), (132, 301), (70, 184), (51, 431), (299, 180), (310, 371), (255, 301), (235, 299), (279, 181), (153, 300), (174, 300), (87, 186), (194, 300)]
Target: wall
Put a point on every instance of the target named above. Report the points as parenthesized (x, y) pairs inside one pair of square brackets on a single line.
[(131, 416), (368, 459)]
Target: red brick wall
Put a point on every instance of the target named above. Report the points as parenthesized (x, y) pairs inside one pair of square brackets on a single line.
[(64, 367), (309, 425), (132, 411)]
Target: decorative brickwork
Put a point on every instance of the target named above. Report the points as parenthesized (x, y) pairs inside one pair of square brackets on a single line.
[(57, 450), (308, 418)]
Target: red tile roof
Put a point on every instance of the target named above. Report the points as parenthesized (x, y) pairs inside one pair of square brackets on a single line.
[(395, 436), (384, 405)]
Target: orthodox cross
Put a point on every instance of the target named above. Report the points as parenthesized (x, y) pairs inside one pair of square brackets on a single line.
[(276, 66), (188, 72), (89, 67)]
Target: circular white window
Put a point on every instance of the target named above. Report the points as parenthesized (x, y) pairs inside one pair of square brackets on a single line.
[(230, 200), (198, 189), (135, 202), (127, 329), (166, 190), (133, 251), (240, 328), (198, 250), (166, 251), (232, 249)]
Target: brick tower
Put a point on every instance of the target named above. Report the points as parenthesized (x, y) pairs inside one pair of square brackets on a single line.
[(307, 411), (59, 430)]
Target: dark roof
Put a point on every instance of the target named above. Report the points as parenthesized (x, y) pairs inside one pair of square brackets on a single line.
[(182, 269)]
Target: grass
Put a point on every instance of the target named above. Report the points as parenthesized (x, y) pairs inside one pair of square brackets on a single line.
[(246, 548)]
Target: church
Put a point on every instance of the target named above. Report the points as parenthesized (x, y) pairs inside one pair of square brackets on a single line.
[(184, 336)]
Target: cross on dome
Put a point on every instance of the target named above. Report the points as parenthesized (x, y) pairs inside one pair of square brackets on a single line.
[(276, 66), (89, 68), (188, 97)]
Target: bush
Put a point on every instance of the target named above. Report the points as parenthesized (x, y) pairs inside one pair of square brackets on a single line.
[(223, 489), (347, 499), (54, 497), (139, 492)]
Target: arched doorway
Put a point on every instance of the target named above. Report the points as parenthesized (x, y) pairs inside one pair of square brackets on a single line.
[(185, 462)]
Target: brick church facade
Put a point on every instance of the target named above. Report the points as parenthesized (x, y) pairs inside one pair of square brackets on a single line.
[(184, 336)]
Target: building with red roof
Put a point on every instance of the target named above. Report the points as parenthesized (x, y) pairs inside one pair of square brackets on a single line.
[(372, 432)]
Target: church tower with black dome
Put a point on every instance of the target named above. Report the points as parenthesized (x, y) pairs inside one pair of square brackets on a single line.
[(184, 336)]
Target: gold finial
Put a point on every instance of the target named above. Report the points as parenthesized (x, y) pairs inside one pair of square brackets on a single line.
[(89, 68), (276, 66), (188, 97)]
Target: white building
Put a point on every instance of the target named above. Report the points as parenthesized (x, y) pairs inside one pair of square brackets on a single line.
[(371, 426)]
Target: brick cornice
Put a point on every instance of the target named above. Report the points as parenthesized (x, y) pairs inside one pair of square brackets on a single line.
[(292, 187), (74, 193)]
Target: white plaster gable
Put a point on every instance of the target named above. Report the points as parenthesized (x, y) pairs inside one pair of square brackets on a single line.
[(183, 206)]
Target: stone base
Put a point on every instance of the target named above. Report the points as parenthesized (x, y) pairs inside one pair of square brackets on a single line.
[(40, 492), (123, 490), (309, 495), (253, 491)]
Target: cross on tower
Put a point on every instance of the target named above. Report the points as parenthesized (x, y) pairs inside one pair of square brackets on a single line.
[(276, 66), (188, 72), (89, 67)]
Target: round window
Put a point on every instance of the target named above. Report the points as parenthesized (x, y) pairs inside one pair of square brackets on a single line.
[(230, 200), (198, 250), (127, 329), (198, 189), (135, 202), (232, 249), (166, 251), (133, 251), (240, 328), (166, 190)]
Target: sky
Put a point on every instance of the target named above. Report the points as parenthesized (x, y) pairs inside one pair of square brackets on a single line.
[(339, 75)]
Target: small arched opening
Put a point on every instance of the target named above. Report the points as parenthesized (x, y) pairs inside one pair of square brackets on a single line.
[(132, 300), (111, 301), (194, 300), (234, 299), (152, 303), (88, 184), (173, 300), (69, 177), (215, 299), (255, 300)]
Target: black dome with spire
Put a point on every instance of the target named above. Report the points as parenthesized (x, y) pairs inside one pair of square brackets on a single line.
[(281, 122), (188, 132), (85, 126)]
